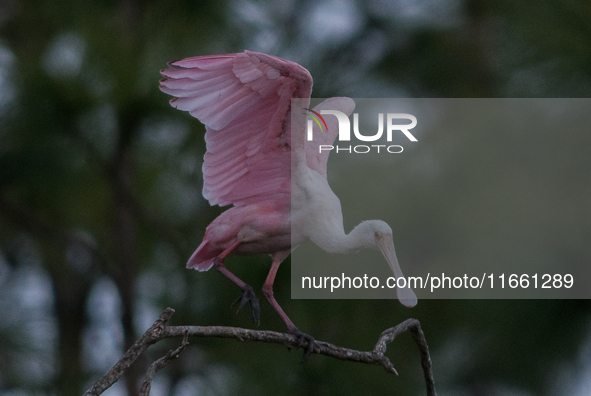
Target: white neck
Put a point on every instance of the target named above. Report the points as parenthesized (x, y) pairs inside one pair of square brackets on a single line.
[(360, 237)]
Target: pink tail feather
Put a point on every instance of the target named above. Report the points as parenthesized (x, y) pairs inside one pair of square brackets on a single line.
[(202, 259)]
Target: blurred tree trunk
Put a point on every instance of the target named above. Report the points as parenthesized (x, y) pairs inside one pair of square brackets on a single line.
[(125, 233), (70, 302), (70, 291)]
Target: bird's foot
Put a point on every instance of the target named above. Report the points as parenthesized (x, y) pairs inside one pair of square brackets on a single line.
[(305, 341), (249, 297)]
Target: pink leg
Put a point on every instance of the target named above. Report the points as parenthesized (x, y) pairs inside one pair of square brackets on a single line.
[(268, 292), (292, 329), (248, 295)]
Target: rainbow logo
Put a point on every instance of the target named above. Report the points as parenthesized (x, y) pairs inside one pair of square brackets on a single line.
[(316, 119)]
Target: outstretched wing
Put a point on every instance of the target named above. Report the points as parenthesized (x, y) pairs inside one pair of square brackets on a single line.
[(244, 100), (315, 158)]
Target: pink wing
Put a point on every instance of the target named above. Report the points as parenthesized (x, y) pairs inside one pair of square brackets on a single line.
[(244, 100), (314, 158)]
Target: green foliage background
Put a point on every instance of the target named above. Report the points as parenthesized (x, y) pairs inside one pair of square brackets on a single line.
[(100, 193)]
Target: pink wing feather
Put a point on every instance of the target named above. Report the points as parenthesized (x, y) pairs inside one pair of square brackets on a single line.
[(244, 100)]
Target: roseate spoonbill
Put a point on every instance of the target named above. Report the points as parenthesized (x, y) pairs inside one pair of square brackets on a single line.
[(244, 100)]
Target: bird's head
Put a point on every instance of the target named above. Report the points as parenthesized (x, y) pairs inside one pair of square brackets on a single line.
[(381, 233)]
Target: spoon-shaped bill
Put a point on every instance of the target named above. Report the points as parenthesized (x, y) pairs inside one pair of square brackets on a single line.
[(405, 294)]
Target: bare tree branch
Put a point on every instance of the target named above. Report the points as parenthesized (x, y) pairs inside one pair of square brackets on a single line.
[(161, 363), (414, 326), (160, 330)]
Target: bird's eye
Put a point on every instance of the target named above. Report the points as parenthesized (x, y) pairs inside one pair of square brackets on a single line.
[(376, 234)]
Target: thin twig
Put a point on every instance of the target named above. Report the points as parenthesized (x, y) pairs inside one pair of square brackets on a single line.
[(159, 331), (160, 364), (417, 334), (151, 336)]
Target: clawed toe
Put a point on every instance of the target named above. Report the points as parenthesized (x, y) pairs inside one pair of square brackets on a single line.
[(306, 342), (249, 297)]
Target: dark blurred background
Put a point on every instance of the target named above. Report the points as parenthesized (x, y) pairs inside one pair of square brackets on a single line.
[(100, 194)]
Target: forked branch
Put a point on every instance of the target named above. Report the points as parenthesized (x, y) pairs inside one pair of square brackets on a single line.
[(160, 330)]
